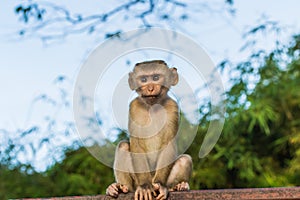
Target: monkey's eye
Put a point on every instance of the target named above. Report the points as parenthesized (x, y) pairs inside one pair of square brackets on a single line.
[(143, 79), (155, 77)]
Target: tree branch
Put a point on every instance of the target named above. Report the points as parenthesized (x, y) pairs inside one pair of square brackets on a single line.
[(50, 21)]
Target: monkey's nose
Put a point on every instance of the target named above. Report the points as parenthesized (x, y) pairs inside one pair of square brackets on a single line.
[(150, 88)]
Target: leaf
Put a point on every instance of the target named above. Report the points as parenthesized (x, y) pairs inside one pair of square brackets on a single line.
[(18, 9), (164, 17), (230, 2), (22, 32), (184, 17), (91, 29), (31, 130)]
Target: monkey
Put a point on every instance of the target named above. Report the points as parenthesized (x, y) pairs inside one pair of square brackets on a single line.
[(148, 164)]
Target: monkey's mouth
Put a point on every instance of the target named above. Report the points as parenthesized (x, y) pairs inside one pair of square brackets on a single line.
[(150, 96)]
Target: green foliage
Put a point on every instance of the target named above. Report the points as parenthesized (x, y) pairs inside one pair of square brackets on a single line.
[(78, 174), (16, 183), (259, 146)]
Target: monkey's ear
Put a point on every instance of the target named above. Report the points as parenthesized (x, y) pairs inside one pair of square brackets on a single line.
[(173, 76), (131, 81)]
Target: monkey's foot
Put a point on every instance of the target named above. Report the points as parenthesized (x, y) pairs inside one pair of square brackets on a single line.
[(115, 189), (183, 186), (144, 192)]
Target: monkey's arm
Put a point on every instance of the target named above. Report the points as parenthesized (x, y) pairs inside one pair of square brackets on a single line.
[(141, 169), (163, 170), (168, 152), (138, 119), (164, 165)]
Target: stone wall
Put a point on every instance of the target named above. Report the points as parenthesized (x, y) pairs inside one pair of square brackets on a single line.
[(290, 193)]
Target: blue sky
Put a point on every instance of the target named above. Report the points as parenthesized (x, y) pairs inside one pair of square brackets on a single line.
[(28, 67)]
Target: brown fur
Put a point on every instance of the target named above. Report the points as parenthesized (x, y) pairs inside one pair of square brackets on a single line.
[(148, 164)]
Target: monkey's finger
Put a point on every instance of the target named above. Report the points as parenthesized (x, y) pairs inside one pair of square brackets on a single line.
[(141, 195), (153, 192), (145, 195), (156, 186), (176, 187), (111, 191), (149, 193), (115, 186), (138, 195), (184, 186), (114, 194), (161, 196), (112, 187), (187, 186)]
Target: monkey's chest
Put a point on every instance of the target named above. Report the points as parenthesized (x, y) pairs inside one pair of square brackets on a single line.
[(146, 124), (151, 129), (148, 141)]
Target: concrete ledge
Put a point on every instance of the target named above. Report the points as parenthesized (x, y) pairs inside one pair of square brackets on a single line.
[(236, 194)]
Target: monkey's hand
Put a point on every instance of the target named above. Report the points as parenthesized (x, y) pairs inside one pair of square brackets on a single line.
[(163, 191), (115, 189), (144, 193)]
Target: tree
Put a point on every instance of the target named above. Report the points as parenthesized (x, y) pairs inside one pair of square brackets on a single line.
[(259, 146), (51, 21), (23, 182), (79, 174)]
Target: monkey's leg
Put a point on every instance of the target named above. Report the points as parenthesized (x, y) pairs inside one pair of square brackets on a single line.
[(180, 173), (122, 169)]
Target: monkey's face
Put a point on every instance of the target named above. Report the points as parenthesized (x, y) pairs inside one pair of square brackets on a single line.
[(152, 88), (152, 80)]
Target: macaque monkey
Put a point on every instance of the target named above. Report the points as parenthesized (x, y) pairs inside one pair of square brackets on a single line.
[(148, 164)]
